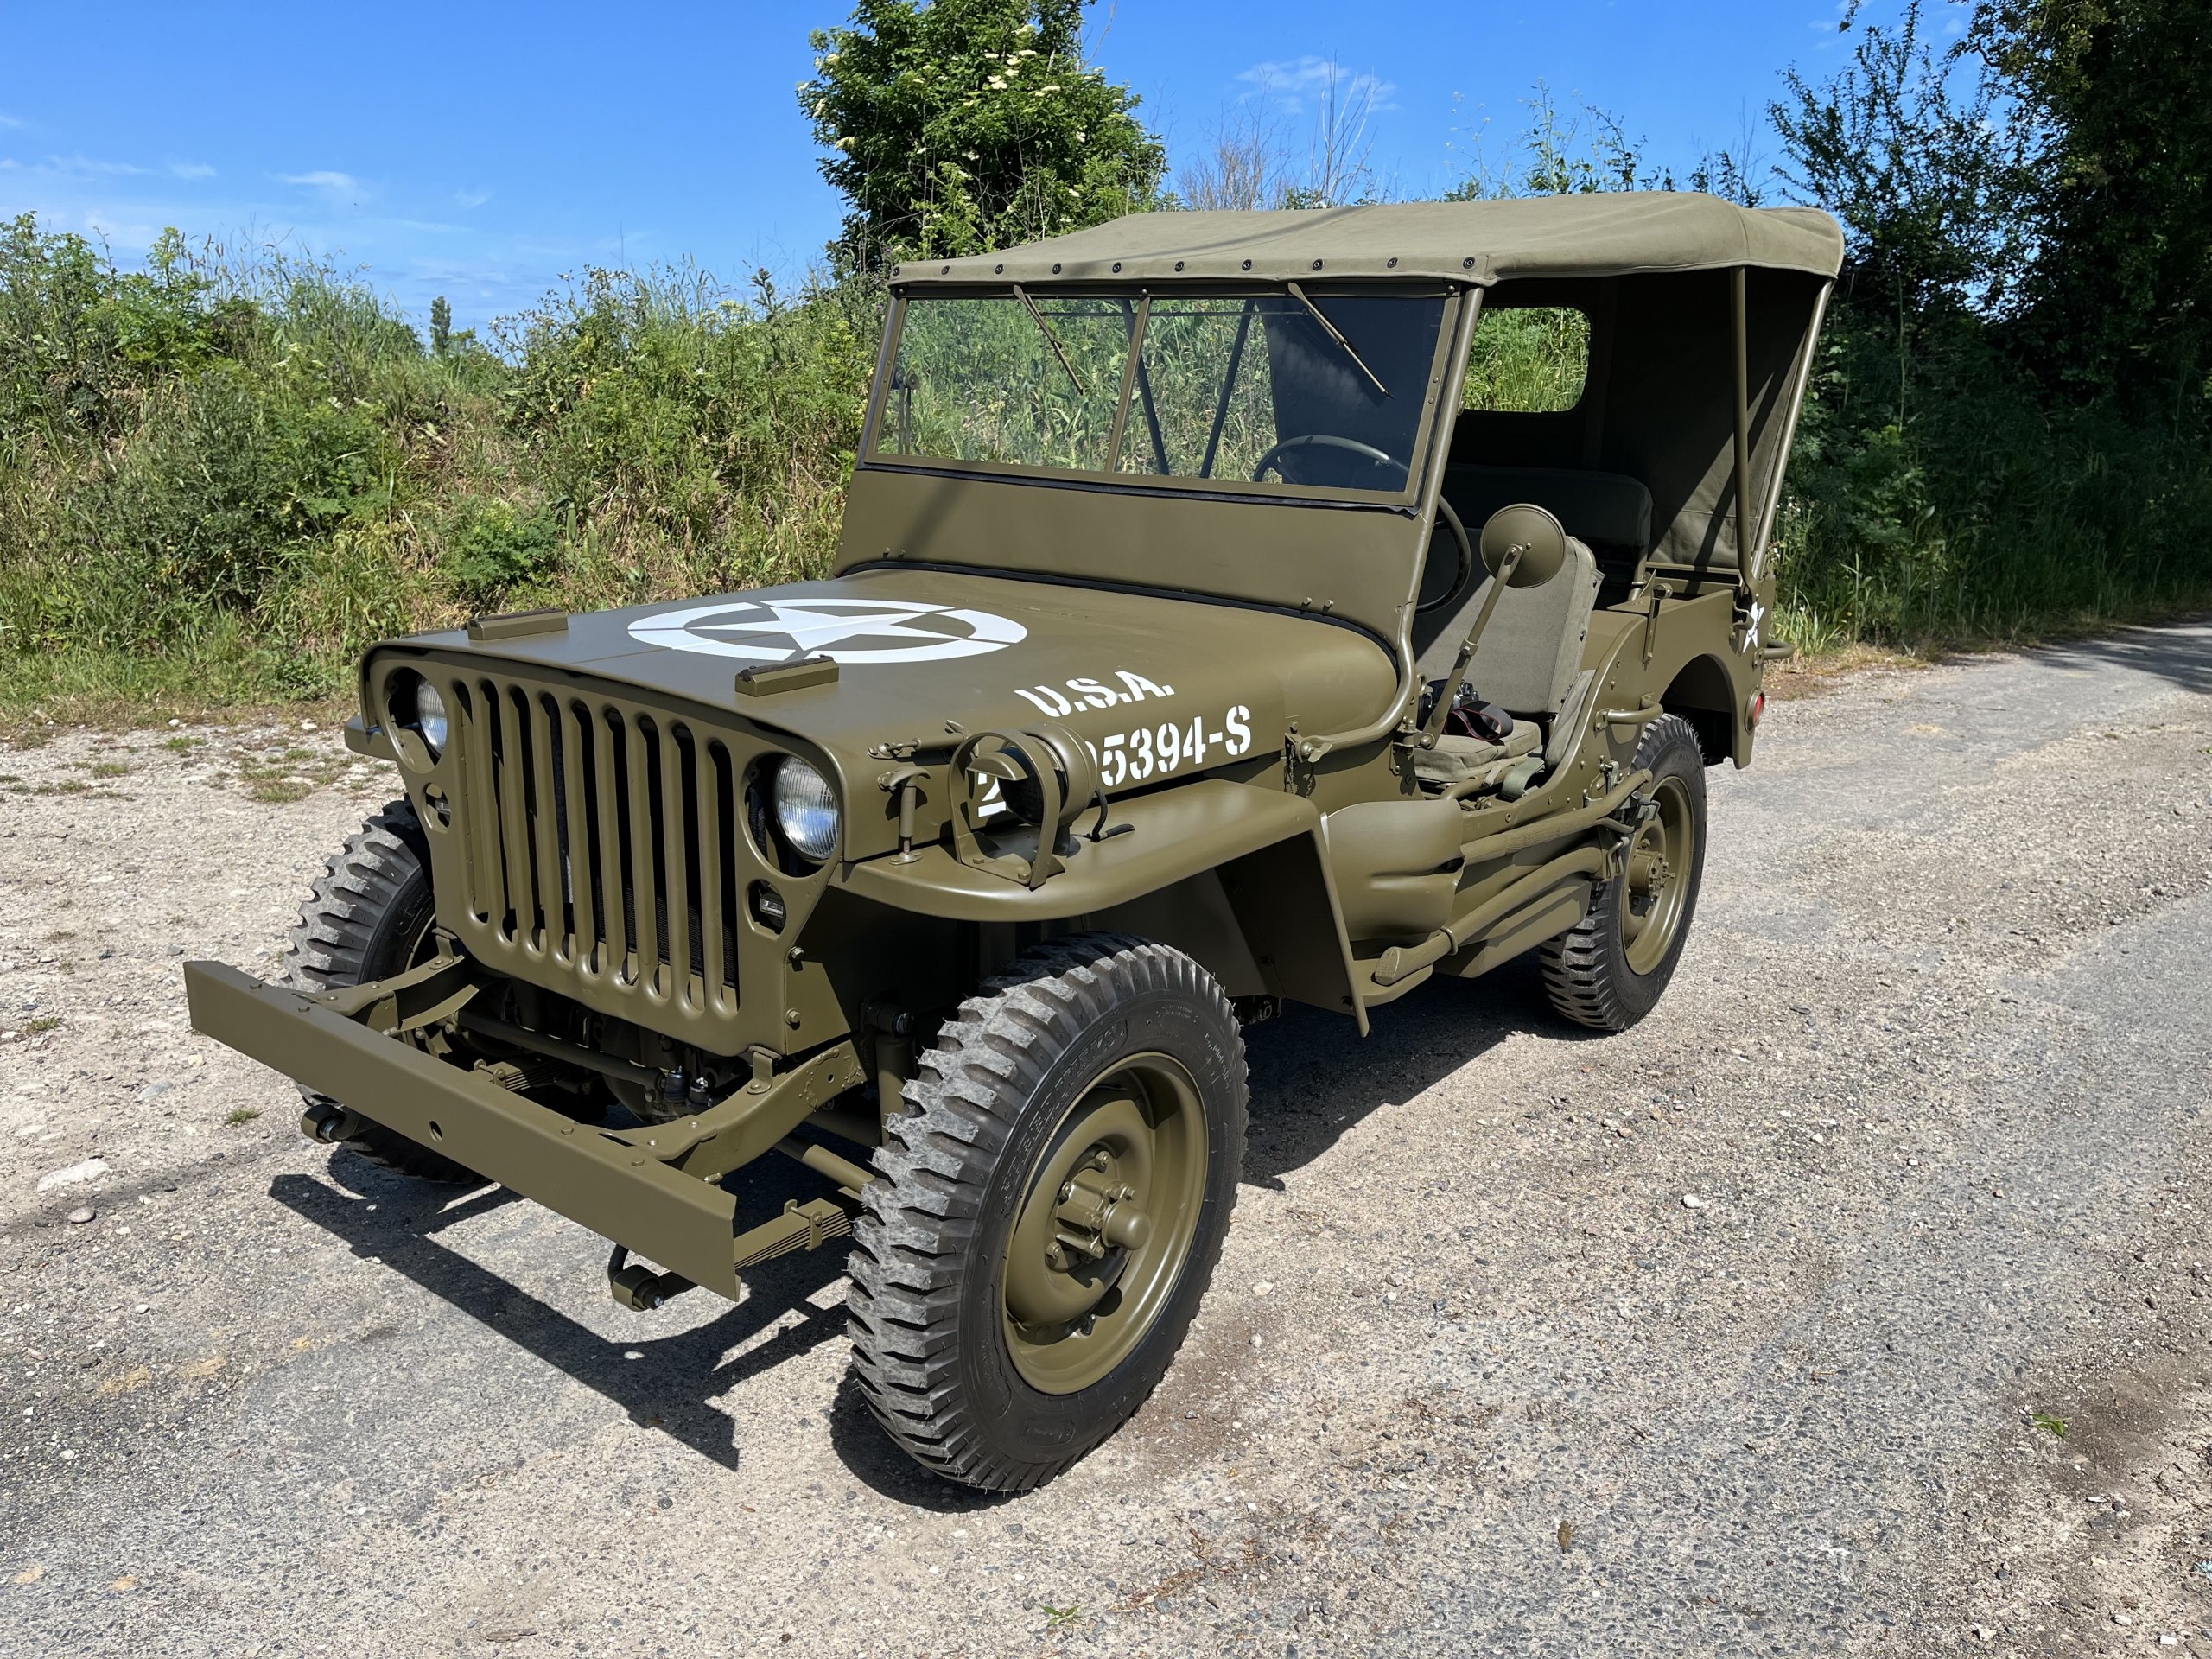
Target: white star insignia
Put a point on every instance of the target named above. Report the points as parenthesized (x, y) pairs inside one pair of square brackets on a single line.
[(809, 627)]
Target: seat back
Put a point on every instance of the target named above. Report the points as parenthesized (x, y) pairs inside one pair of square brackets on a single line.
[(1611, 510), (1530, 654)]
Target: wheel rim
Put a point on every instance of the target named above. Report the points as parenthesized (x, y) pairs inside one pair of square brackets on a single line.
[(1655, 888), (1106, 1223)]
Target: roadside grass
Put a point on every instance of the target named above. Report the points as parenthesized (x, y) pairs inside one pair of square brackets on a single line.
[(43, 691), (1836, 657), (278, 774)]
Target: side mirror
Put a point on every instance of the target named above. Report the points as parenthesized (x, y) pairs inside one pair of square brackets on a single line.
[(1540, 538)]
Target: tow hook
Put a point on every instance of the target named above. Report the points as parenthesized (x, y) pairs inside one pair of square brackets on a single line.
[(639, 1288), (329, 1123)]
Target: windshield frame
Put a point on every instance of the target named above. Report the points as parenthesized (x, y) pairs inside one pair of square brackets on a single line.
[(1139, 296)]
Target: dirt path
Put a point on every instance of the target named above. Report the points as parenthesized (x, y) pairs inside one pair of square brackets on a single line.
[(1751, 1331)]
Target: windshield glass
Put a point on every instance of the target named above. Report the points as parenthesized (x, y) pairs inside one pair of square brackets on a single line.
[(1310, 390)]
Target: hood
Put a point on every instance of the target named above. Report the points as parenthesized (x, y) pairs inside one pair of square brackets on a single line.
[(1174, 686)]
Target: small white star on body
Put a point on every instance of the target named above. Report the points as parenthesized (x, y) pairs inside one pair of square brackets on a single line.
[(1751, 620)]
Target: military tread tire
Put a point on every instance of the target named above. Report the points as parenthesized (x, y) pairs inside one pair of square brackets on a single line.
[(1601, 972), (367, 915), (936, 1352)]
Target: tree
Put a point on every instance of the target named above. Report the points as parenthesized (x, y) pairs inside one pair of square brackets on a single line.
[(1924, 160), (2121, 286), (441, 326), (958, 125)]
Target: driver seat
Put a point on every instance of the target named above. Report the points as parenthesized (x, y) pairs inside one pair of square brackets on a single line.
[(1529, 656)]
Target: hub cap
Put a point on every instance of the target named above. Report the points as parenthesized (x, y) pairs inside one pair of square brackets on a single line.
[(1656, 885), (1105, 1225)]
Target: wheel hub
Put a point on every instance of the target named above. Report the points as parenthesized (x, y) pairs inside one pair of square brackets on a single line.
[(1101, 1235), (1651, 886), (1097, 1212)]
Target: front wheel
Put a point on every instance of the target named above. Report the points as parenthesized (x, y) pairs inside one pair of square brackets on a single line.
[(1054, 1198), (1609, 969), (369, 918)]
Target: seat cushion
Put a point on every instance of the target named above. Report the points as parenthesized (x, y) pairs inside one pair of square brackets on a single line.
[(1455, 758), (1609, 509)]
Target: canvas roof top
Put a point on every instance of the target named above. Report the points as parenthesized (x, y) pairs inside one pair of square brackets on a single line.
[(1609, 234)]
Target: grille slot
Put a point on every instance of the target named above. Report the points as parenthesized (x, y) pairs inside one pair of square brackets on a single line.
[(601, 841)]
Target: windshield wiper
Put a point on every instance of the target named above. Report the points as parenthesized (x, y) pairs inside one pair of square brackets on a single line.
[(1327, 328), (1058, 350)]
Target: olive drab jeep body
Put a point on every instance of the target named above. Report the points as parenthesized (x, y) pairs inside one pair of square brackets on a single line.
[(1230, 609)]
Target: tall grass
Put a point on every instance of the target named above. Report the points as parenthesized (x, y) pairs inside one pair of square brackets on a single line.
[(1937, 494)]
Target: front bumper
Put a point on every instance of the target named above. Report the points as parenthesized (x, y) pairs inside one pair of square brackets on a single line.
[(594, 1177)]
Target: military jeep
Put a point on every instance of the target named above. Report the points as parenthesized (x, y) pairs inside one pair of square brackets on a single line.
[(1231, 608)]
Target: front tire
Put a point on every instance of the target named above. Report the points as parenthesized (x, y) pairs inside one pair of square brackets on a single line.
[(1055, 1196), (1609, 969), (369, 918)]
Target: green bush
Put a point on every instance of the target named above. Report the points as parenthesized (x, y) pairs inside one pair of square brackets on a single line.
[(491, 547), (226, 473)]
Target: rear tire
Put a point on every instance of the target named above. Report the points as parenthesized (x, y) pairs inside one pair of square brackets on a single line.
[(1054, 1197), (1609, 969), (369, 918)]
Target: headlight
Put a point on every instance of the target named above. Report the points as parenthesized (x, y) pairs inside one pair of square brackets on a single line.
[(431, 719), (806, 810), (416, 705)]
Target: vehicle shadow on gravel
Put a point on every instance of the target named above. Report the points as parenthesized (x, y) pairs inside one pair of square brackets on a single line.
[(868, 1453), (1314, 1078), (669, 1389)]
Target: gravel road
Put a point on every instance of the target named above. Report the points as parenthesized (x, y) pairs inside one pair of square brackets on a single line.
[(1857, 1303)]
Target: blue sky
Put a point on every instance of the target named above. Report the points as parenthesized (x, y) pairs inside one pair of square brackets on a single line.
[(481, 152)]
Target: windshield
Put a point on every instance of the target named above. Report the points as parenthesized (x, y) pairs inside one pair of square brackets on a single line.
[(1286, 387)]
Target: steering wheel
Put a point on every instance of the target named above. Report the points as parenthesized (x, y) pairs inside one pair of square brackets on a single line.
[(1319, 439), (1467, 571)]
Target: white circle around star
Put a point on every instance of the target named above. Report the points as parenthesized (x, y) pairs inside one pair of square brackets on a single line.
[(847, 631)]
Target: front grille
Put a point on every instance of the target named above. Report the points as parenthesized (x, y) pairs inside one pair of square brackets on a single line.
[(602, 848)]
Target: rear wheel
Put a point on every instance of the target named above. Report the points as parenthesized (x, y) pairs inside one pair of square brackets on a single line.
[(369, 918), (1055, 1197), (1609, 970)]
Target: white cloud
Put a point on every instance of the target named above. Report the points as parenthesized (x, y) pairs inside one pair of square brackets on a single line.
[(84, 167), (1291, 83), (191, 170), (336, 184), (471, 197), (11, 122)]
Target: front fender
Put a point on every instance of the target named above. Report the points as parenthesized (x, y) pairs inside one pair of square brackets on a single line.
[(1265, 844)]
